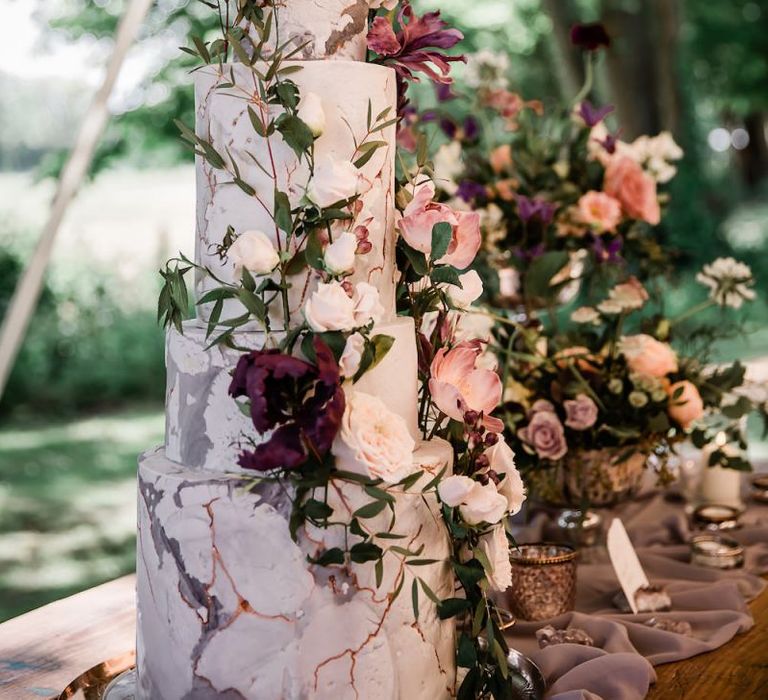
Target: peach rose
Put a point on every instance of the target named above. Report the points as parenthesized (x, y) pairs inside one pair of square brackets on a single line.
[(627, 182), (421, 215), (506, 189), (373, 441), (581, 356), (601, 211), (646, 355), (457, 385), (501, 158), (687, 407)]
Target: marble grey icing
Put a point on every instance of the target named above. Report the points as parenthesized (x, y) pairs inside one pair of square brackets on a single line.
[(229, 606), (222, 119), (206, 428)]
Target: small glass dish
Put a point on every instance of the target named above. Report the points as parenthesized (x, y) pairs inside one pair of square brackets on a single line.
[(759, 484), (715, 516), (543, 580), (716, 552)]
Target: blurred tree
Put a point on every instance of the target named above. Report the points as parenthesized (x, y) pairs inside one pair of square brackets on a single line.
[(728, 48)]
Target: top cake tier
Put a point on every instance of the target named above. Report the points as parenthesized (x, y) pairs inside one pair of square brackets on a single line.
[(352, 97), (323, 28)]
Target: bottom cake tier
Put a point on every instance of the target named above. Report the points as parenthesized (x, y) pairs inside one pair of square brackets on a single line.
[(230, 607)]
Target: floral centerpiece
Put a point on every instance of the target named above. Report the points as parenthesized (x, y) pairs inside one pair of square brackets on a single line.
[(588, 408), (561, 196)]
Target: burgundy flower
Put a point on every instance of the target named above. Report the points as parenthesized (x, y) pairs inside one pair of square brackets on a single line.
[(590, 37), (300, 402), (592, 115), (530, 207), (418, 47)]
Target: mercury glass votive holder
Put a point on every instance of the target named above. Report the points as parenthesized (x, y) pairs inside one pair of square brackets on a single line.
[(543, 580)]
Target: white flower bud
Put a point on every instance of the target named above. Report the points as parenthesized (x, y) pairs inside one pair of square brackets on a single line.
[(340, 255), (254, 251), (311, 113)]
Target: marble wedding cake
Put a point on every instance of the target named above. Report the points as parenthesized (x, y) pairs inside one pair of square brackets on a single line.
[(229, 605)]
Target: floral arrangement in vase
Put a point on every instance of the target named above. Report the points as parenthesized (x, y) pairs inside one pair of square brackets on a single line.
[(589, 407), (561, 196), (343, 458)]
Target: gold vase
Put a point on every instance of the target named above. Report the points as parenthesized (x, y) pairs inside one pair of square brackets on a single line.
[(588, 478)]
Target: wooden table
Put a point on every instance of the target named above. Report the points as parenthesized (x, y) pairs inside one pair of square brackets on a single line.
[(43, 651)]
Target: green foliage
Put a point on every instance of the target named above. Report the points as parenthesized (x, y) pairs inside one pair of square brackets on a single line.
[(83, 350)]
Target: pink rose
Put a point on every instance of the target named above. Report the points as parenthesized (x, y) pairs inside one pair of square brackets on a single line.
[(421, 215), (545, 434), (626, 181), (458, 386), (581, 412), (601, 211), (687, 407), (646, 355)]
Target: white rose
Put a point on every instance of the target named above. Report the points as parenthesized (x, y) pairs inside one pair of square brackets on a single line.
[(502, 461), (329, 308), (470, 290), (476, 503), (254, 251), (473, 325), (334, 180), (495, 546), (352, 355), (340, 255), (483, 505), (454, 489), (311, 113), (367, 304), (373, 441)]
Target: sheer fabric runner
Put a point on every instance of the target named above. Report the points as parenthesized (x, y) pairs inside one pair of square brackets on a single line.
[(620, 665)]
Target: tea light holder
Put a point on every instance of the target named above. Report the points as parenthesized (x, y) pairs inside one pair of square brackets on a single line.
[(580, 528), (543, 580), (759, 484), (715, 516), (716, 552)]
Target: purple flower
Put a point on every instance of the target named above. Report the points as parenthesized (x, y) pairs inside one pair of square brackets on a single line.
[(592, 115), (590, 37), (610, 253), (545, 434), (609, 142), (300, 402), (471, 128), (530, 207), (580, 413), (444, 92), (470, 191), (449, 127), (530, 254)]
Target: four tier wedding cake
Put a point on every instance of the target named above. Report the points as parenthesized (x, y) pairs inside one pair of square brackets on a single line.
[(235, 599)]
